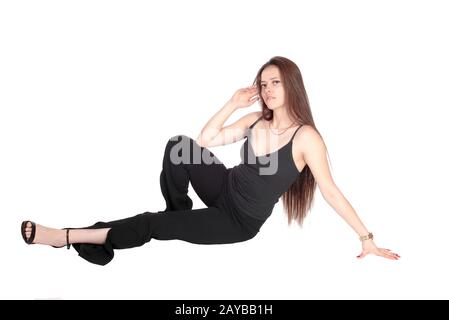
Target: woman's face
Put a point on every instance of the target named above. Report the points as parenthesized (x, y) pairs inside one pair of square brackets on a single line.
[(271, 88)]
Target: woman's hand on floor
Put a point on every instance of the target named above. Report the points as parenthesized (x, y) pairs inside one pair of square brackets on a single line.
[(369, 247)]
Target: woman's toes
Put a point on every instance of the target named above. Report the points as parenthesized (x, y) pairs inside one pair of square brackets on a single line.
[(28, 230)]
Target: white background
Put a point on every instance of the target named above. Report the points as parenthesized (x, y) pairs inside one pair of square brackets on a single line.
[(90, 92)]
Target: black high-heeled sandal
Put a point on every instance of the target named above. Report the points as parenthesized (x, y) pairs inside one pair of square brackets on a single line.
[(33, 234)]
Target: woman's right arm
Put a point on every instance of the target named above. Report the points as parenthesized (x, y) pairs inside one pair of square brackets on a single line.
[(214, 134)]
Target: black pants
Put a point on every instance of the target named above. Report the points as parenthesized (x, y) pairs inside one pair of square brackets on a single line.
[(218, 223)]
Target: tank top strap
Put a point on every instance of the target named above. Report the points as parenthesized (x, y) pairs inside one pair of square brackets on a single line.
[(291, 139)]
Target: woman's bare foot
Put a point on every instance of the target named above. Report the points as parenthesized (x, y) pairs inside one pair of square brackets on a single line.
[(45, 235)]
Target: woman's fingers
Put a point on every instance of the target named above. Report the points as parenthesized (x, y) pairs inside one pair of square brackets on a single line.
[(392, 256), (387, 254), (388, 257), (248, 91), (254, 98), (390, 252)]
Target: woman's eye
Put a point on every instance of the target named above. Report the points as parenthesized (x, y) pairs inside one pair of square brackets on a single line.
[(275, 82)]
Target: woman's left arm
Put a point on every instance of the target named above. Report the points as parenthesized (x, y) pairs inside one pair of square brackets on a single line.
[(314, 154)]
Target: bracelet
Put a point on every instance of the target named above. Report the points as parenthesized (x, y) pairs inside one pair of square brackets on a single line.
[(367, 237)]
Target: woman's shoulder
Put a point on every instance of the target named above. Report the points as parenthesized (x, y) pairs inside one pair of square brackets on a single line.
[(307, 129), (256, 114), (305, 134), (253, 118), (305, 137)]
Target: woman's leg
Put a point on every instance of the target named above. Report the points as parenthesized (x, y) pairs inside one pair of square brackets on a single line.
[(209, 225), (185, 161)]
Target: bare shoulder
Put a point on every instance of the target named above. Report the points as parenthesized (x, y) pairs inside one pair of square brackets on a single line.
[(244, 121), (252, 117), (308, 133), (247, 120), (306, 139)]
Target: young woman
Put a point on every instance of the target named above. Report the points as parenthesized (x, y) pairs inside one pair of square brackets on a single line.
[(284, 156)]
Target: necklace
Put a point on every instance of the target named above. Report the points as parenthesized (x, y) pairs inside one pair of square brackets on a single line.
[(278, 134)]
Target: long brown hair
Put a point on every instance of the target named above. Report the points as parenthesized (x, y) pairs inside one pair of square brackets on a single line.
[(298, 199)]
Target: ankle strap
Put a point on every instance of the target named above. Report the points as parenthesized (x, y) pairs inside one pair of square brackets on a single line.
[(67, 238)]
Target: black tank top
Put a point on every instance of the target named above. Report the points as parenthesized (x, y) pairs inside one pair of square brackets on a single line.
[(257, 183)]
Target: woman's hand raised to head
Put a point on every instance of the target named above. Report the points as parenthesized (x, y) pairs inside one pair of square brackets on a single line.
[(245, 97)]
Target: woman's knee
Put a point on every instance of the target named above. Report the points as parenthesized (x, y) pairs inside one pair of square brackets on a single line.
[(178, 138), (179, 149)]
